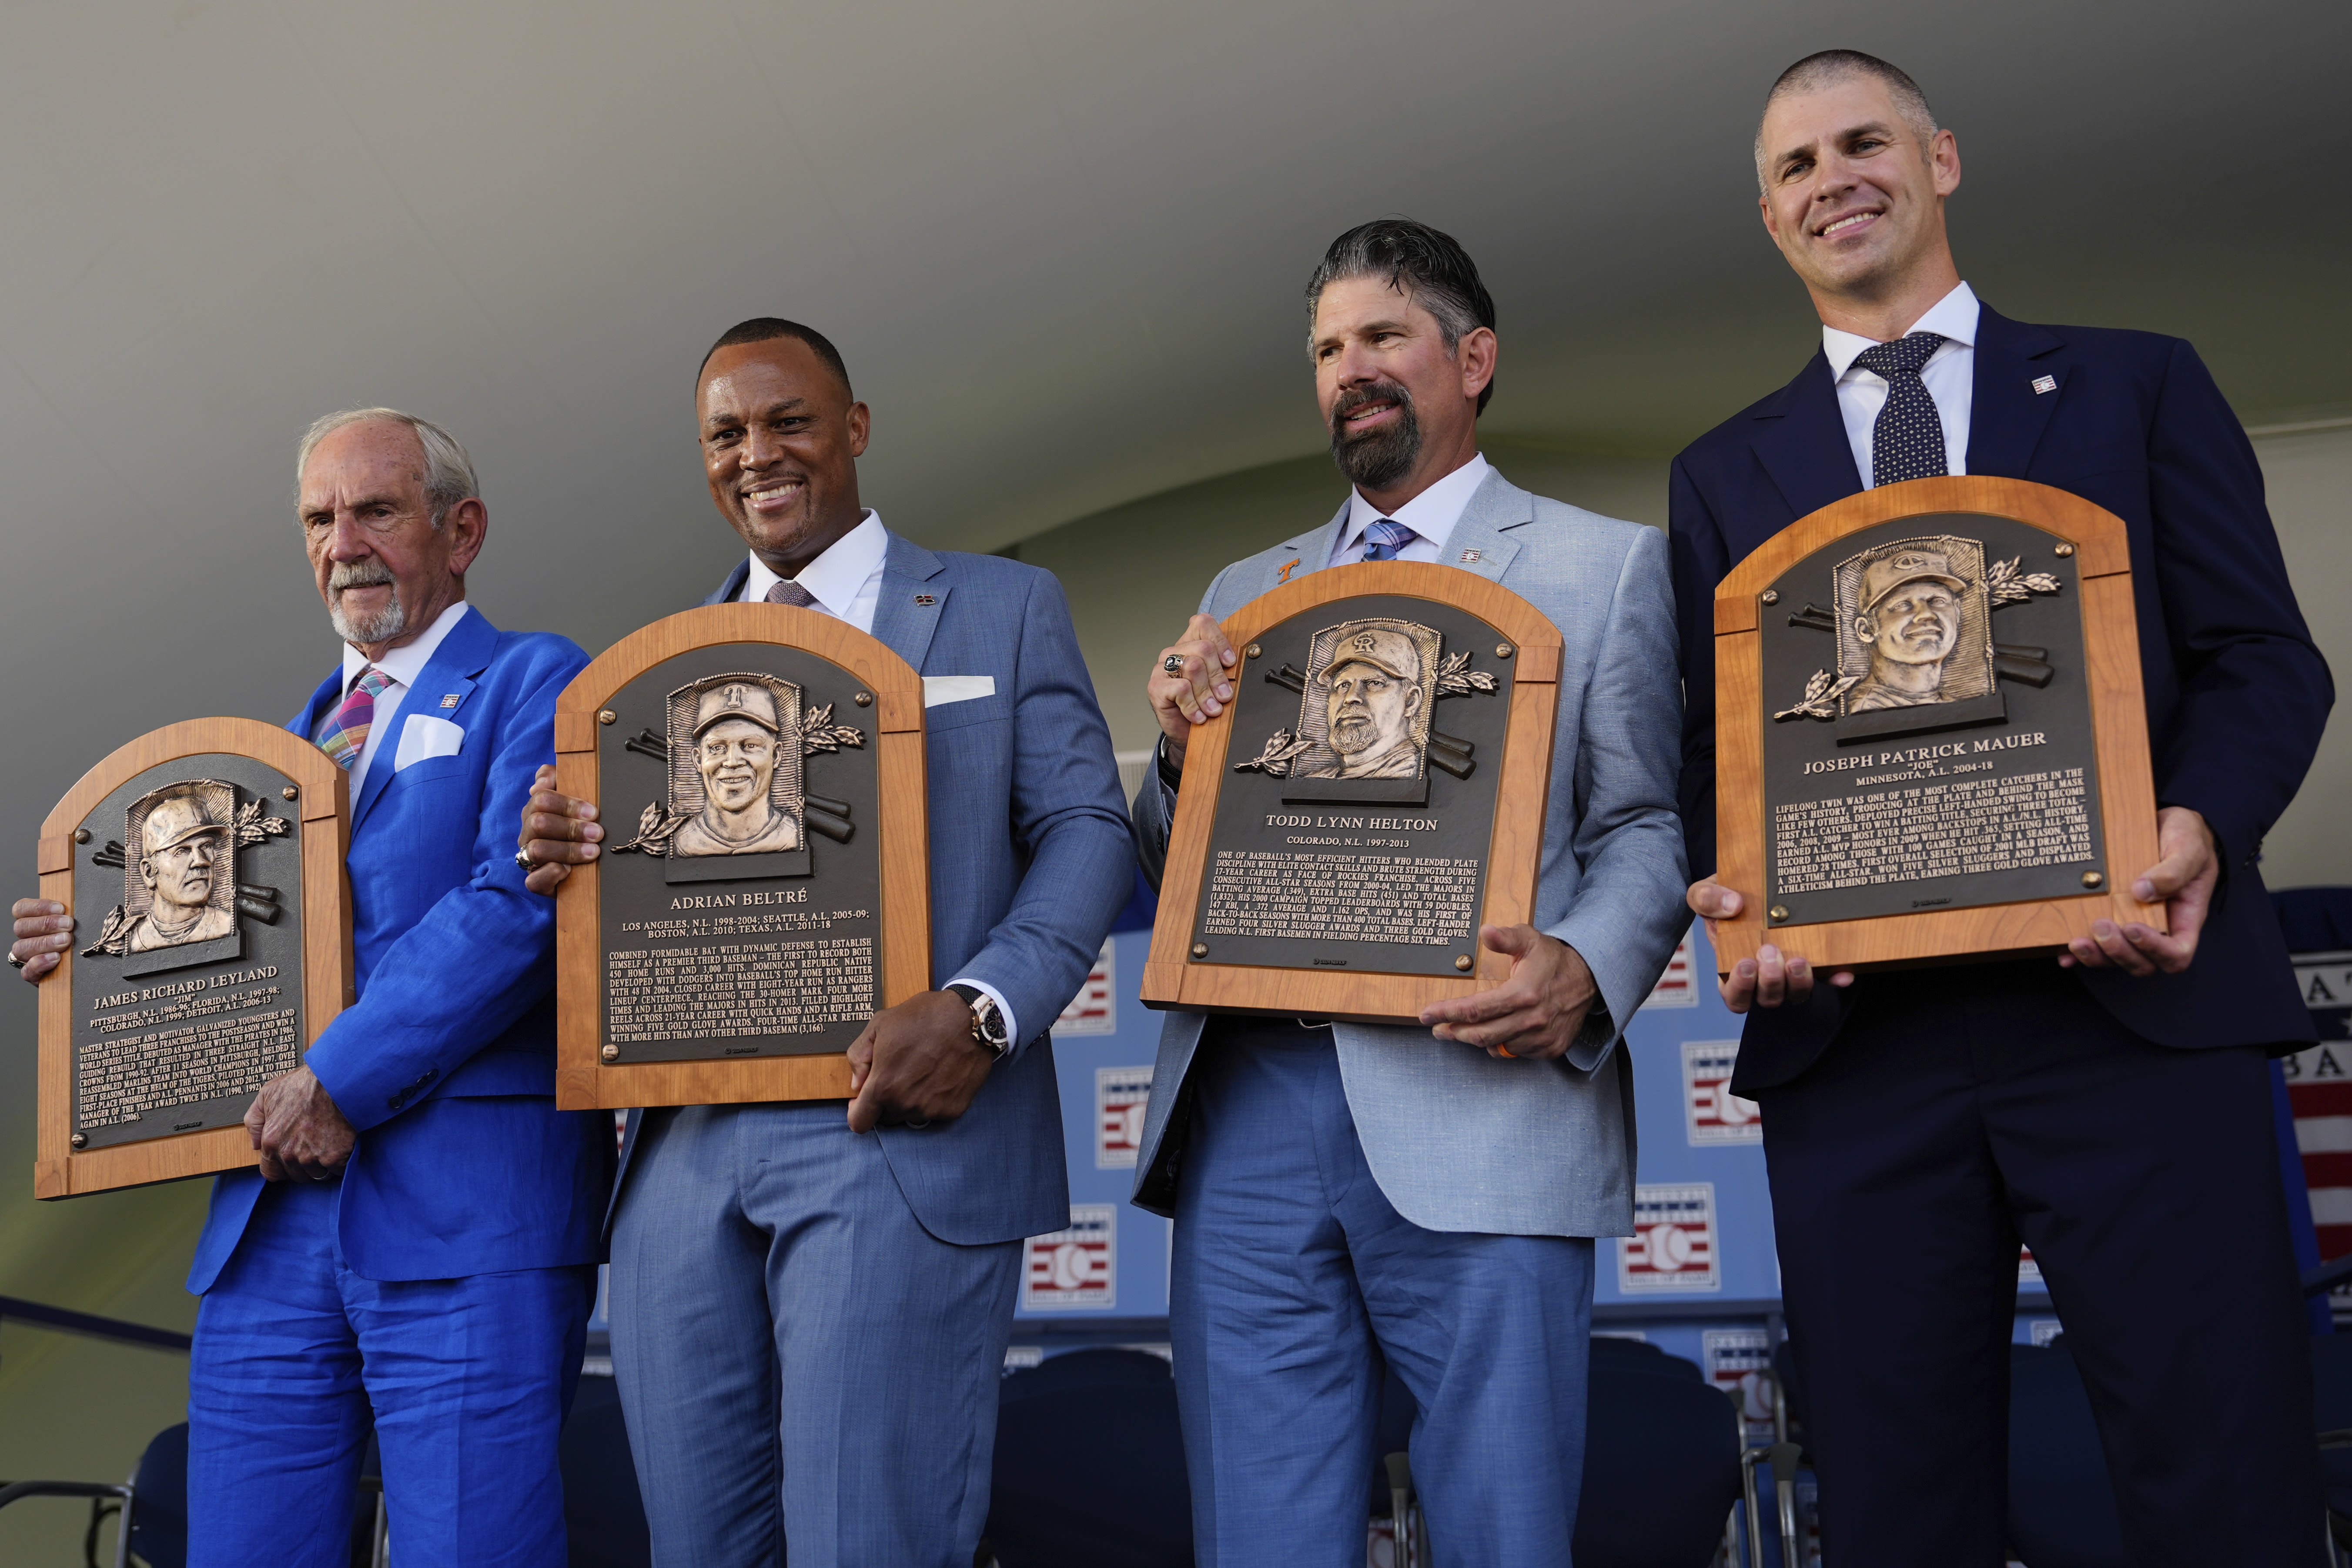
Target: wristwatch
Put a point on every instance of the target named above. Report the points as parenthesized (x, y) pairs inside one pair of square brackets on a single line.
[(987, 1020)]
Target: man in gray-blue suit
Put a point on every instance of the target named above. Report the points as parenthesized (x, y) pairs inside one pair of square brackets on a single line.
[(1349, 1196), (810, 1309)]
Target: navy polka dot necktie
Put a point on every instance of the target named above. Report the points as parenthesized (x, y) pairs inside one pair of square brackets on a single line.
[(1907, 441), (1384, 539)]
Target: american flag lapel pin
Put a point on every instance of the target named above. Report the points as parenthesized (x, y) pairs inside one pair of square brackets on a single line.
[(925, 599), (452, 700), (2043, 384), (1468, 557)]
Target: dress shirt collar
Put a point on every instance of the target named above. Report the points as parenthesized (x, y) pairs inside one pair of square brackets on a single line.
[(1954, 316), (834, 578), (1431, 514), (407, 661)]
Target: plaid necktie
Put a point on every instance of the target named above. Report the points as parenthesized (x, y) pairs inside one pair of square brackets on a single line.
[(1907, 441), (345, 735), (787, 591), (1384, 539)]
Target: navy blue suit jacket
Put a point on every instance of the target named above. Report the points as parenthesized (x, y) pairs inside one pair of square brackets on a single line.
[(2237, 694), (1031, 860), (445, 1060)]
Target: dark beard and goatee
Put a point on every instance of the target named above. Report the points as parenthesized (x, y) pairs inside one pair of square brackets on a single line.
[(1378, 458)]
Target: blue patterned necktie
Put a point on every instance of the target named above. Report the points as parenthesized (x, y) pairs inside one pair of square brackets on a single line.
[(1384, 539), (1907, 440)]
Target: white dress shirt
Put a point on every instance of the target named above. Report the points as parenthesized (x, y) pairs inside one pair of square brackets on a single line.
[(404, 665), (846, 584), (846, 580), (1949, 376), (1431, 515)]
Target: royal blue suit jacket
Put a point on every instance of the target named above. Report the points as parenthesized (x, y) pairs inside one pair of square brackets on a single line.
[(1031, 860), (446, 1061), (2237, 694)]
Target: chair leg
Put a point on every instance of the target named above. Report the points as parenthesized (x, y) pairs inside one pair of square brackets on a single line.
[(1784, 1457)]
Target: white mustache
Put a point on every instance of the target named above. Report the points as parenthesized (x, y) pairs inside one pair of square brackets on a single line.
[(368, 574)]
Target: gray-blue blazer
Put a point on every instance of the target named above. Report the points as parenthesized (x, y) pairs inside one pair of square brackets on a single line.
[(1030, 863), (1459, 1139)]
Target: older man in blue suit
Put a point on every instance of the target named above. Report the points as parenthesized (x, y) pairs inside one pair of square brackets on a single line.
[(2116, 1118), (810, 1301), (1348, 1196), (416, 1253)]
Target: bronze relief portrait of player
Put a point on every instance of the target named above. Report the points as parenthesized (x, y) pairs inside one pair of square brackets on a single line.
[(180, 845), (1372, 698), (738, 730), (1910, 622)]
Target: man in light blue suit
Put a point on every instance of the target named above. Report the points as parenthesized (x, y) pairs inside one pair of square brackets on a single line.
[(1348, 1196), (811, 1303), (417, 1252)]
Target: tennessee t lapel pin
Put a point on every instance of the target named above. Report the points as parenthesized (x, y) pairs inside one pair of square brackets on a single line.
[(2043, 384), (1288, 568)]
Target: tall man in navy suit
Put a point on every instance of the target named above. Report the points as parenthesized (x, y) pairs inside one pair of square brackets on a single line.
[(811, 1303), (417, 1252), (2110, 1107)]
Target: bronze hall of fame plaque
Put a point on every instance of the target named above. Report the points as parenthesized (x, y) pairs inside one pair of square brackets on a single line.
[(1374, 793), (203, 866), (1929, 725), (758, 771)]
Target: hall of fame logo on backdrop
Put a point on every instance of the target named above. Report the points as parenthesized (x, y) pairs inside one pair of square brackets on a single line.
[(1676, 987), (1673, 1245), (1712, 1113), (1074, 1269), (1122, 1095), (1093, 1011), (1739, 1362)]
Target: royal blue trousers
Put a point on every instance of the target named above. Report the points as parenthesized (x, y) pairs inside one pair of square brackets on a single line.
[(465, 1383), (1294, 1281), (796, 1355)]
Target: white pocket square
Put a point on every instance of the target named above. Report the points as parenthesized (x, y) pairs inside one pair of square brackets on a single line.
[(939, 688), (421, 736)]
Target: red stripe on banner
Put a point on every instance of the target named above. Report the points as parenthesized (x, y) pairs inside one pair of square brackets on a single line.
[(2335, 1240), (2328, 1170), (2330, 1099)]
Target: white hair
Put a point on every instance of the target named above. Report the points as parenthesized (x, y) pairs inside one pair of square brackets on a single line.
[(449, 471)]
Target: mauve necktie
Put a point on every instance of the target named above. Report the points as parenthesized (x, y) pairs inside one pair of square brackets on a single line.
[(346, 733), (1907, 441), (787, 591), (1384, 539)]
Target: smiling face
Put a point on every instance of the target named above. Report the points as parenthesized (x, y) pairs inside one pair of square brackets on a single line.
[(738, 759), (1917, 623), (1854, 193), (781, 438), (1370, 710), (385, 572), (1401, 409)]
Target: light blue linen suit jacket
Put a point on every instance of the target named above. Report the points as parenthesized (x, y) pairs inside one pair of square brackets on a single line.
[(1458, 1140), (1030, 863), (445, 1060)]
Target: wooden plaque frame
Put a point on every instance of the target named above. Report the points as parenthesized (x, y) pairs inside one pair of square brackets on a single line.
[(582, 1081), (323, 813), (1173, 978), (2119, 720)]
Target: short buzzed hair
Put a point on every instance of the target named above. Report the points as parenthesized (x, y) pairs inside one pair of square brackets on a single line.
[(1818, 70), (767, 330), (1427, 266)]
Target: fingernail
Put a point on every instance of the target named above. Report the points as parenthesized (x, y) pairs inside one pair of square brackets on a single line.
[(1226, 657), (588, 813), (1767, 952), (1746, 969), (2144, 891), (1224, 693), (590, 851), (2103, 928), (592, 833)]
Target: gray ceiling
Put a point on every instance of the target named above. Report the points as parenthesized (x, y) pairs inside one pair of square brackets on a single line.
[(1060, 243)]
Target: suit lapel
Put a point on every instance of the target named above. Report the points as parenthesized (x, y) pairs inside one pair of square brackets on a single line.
[(1478, 543), (463, 653), (2006, 414), (1801, 440), (732, 588), (912, 601)]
